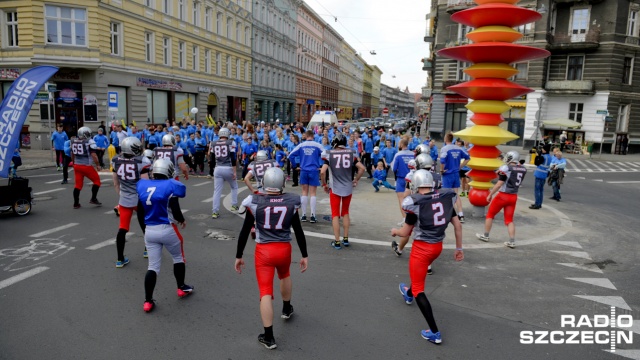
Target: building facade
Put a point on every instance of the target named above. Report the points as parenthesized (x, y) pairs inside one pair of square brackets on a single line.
[(589, 76), (399, 102), (161, 58), (366, 90), (347, 82), (309, 63), (331, 41), (376, 110), (274, 60)]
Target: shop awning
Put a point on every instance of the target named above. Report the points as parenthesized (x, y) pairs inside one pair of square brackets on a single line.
[(517, 103), (455, 99)]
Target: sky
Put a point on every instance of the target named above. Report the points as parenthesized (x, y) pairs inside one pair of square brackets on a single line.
[(394, 29)]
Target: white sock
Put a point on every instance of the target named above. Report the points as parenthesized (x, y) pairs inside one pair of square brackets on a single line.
[(303, 205), (461, 213), (313, 206)]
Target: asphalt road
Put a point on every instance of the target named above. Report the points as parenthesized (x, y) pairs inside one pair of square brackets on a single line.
[(62, 297)]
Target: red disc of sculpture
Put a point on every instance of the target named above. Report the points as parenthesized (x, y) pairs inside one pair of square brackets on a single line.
[(478, 197), (481, 2), (484, 151), (490, 89), (487, 119), (496, 14), (482, 175), (498, 52)]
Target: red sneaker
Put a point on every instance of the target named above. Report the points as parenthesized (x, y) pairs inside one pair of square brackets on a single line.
[(185, 290), (149, 305)]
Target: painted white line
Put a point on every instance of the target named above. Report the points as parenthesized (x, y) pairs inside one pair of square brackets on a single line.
[(51, 231), (184, 210), (616, 301), (616, 164), (594, 164), (598, 180), (204, 183), (208, 200), (582, 164), (632, 164), (573, 244), (580, 177), (591, 267), (53, 182), (48, 191), (623, 182), (578, 254), (25, 275), (105, 243), (602, 282)]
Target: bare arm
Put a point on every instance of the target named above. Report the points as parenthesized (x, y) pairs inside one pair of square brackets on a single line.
[(116, 182), (404, 231), (247, 181), (457, 227)]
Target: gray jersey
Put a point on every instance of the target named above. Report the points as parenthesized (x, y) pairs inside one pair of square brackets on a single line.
[(274, 215), (82, 149), (128, 171), (258, 168), (174, 154), (515, 174), (340, 161), (223, 150), (434, 212)]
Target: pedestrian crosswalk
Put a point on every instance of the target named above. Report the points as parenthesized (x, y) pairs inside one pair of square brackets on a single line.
[(595, 166)]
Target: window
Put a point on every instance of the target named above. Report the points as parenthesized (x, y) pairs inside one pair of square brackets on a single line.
[(228, 72), (632, 24), (149, 48), (116, 38), (627, 70), (574, 67), (229, 27), (166, 6), (238, 69), (182, 14), (526, 29), (207, 18), (579, 24), (196, 13), (575, 111), (623, 118), (66, 25), (195, 58), (218, 64), (149, 3), (207, 61), (219, 23), (238, 37), (523, 71), (166, 51), (182, 56), (11, 26), (246, 71), (461, 75)]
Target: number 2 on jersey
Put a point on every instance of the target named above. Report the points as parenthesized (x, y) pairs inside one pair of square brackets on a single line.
[(267, 216), (437, 215)]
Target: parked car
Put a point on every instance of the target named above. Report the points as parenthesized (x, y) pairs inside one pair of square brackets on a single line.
[(399, 127)]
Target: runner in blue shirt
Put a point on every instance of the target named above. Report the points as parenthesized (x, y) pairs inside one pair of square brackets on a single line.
[(400, 167), (57, 141), (388, 153), (366, 156), (452, 158), (102, 143), (310, 153)]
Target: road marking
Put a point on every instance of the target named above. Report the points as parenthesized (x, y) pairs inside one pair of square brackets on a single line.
[(48, 191), (105, 243), (22, 276), (51, 231), (184, 210), (52, 182), (204, 183), (582, 164), (578, 254), (598, 180), (580, 177), (573, 244), (590, 267), (208, 200), (602, 282), (623, 182), (617, 165), (616, 301), (596, 166), (632, 164)]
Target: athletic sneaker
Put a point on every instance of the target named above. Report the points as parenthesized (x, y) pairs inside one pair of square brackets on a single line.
[(117, 211), (434, 338), (303, 218), (287, 315), (215, 215), (120, 264), (269, 344), (345, 241), (461, 217), (64, 182), (429, 271), (234, 208), (57, 168), (313, 219), (510, 244), (95, 202), (336, 245), (77, 206), (149, 305), (396, 249), (481, 237), (403, 290), (145, 254), (184, 290)]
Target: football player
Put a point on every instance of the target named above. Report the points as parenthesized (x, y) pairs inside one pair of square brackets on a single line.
[(257, 168), (174, 153), (224, 162), (83, 154)]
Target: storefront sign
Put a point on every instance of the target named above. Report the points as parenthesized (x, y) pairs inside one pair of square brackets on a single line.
[(158, 84), (68, 95), (455, 99), (311, 102), (602, 112), (113, 101), (9, 73), (204, 89), (66, 76)]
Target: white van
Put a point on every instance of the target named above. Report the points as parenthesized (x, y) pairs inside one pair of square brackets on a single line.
[(322, 116)]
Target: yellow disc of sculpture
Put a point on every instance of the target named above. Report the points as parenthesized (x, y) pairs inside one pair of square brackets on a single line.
[(490, 70), (488, 106), (494, 33)]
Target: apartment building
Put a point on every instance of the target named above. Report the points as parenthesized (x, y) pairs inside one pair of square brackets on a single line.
[(309, 69)]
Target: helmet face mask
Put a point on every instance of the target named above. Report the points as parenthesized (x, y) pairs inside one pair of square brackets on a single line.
[(148, 153), (421, 149), (273, 180), (163, 168), (262, 155), (131, 146), (84, 133)]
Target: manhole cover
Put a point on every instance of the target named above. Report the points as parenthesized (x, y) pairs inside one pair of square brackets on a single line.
[(212, 234)]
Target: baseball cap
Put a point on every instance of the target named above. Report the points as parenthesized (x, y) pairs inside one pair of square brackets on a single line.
[(376, 148)]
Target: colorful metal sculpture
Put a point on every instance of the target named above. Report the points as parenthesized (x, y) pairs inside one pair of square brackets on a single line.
[(492, 53)]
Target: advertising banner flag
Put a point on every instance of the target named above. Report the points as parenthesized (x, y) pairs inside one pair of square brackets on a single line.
[(14, 110)]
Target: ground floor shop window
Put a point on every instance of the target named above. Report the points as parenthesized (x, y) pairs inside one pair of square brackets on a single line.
[(184, 103), (157, 106)]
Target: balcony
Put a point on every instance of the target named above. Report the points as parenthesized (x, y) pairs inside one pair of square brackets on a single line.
[(457, 42), (457, 5), (427, 65), (566, 42), (632, 40), (570, 87)]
